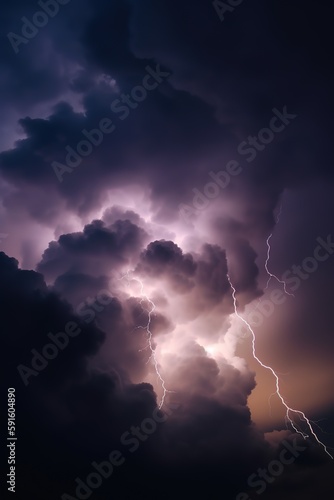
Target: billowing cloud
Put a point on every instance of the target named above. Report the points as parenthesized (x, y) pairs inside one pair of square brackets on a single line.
[(152, 158)]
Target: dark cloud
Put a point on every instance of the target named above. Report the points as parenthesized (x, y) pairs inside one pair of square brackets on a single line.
[(96, 248), (139, 272), (70, 396), (164, 258)]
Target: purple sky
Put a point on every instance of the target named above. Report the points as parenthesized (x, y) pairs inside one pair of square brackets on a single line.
[(148, 150)]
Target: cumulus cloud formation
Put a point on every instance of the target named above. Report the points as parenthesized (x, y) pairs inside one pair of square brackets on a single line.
[(158, 163)]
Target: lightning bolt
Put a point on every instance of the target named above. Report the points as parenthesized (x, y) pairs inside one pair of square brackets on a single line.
[(290, 412), (271, 275), (149, 310)]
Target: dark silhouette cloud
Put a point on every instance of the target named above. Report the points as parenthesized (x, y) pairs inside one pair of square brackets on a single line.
[(108, 295)]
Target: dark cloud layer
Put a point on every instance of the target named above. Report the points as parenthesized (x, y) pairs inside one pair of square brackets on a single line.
[(70, 397), (106, 249), (92, 250), (209, 434)]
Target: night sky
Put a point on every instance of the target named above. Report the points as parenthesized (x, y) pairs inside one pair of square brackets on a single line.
[(166, 228)]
